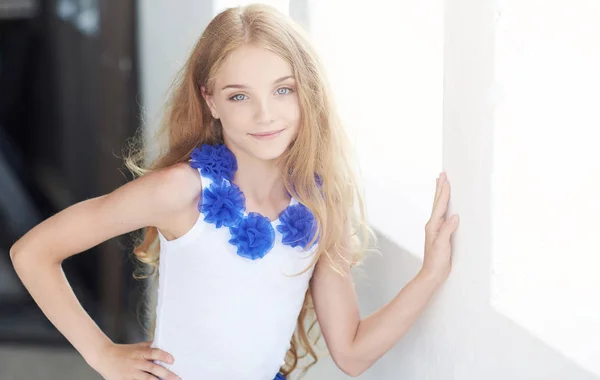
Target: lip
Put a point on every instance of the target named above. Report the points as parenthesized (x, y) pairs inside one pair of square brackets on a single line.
[(267, 135)]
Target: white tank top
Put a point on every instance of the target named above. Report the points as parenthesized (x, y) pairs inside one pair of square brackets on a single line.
[(228, 302)]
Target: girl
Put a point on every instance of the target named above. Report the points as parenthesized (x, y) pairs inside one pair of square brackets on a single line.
[(252, 218)]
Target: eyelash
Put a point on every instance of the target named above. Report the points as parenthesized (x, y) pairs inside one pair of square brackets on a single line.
[(281, 88)]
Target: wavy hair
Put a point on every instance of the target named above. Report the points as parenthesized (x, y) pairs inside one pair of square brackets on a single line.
[(321, 147)]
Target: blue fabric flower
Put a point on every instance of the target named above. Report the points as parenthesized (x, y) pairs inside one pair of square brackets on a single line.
[(279, 376), (254, 236), (298, 225), (222, 204), (215, 162)]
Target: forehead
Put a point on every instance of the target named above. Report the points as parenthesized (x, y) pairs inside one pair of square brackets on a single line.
[(252, 66)]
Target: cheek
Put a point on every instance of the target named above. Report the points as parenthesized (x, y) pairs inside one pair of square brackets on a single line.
[(235, 117), (292, 113)]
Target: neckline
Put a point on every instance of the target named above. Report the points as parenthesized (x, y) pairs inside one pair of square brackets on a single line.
[(221, 152), (276, 220)]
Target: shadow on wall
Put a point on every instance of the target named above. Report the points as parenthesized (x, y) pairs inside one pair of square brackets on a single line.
[(483, 344)]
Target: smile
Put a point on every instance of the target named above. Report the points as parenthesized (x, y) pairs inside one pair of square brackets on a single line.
[(266, 135)]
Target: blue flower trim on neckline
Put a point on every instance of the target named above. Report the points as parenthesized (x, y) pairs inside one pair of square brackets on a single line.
[(253, 236), (223, 204), (298, 226), (215, 162)]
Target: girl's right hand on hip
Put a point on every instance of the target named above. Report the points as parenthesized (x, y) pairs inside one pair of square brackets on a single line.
[(134, 362)]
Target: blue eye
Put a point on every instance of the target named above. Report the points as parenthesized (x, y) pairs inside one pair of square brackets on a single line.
[(284, 88), (236, 98)]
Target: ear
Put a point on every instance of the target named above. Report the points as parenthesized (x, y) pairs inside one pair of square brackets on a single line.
[(210, 102)]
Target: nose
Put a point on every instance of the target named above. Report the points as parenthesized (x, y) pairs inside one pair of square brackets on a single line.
[(264, 112)]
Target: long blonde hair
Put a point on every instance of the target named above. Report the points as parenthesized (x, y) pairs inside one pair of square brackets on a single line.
[(321, 147)]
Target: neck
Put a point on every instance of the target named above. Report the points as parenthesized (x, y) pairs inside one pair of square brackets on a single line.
[(258, 179)]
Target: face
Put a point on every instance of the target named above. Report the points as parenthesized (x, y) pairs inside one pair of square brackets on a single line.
[(256, 100)]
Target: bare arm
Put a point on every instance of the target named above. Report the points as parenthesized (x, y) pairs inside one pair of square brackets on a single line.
[(355, 344), (37, 256)]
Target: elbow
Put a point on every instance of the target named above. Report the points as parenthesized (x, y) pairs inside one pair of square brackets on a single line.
[(16, 255), (16, 259), (26, 257), (353, 372), (351, 365), (13, 253), (16, 249), (353, 369)]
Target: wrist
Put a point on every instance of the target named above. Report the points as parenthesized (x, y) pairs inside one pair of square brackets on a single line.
[(93, 354), (431, 277)]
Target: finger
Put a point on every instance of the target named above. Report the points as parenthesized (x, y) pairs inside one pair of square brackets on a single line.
[(142, 375), (157, 354), (157, 370), (437, 189), (441, 206), (448, 228), (442, 182), (441, 179)]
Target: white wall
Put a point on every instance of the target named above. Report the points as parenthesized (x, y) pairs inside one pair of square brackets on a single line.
[(385, 64), (521, 89), (515, 133), (545, 253)]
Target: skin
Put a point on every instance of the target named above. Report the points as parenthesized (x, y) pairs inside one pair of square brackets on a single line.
[(356, 344), (167, 199), (254, 92)]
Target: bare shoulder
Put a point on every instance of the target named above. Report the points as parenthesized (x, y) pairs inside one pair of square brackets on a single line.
[(165, 199), (179, 191), (179, 185), (165, 193)]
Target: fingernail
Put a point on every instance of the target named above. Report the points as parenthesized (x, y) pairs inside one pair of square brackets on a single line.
[(454, 219)]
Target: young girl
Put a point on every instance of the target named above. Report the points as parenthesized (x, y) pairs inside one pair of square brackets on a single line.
[(252, 219)]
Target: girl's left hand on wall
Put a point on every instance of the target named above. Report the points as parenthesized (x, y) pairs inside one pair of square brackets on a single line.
[(438, 231)]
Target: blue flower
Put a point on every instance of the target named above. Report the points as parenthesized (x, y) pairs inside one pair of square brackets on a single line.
[(254, 236), (222, 204), (298, 225), (215, 162)]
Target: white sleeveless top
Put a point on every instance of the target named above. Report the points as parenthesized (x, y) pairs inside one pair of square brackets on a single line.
[(224, 316)]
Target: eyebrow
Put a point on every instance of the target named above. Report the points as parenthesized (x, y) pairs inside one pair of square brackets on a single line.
[(244, 86)]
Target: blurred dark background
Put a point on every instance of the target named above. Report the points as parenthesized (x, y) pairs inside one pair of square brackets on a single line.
[(68, 102)]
